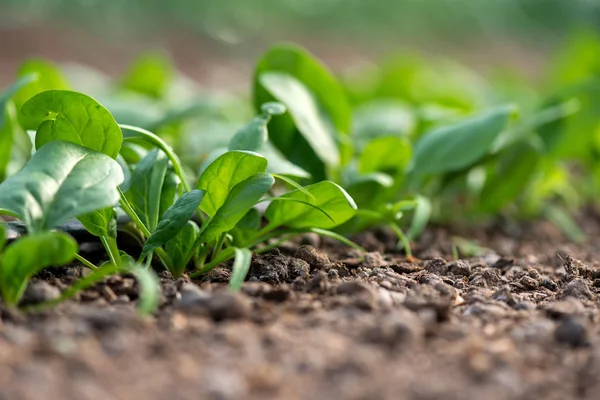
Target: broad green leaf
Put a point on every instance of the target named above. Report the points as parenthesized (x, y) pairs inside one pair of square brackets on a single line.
[(150, 75), (47, 77), (240, 199), (180, 248), (241, 265), (149, 292), (29, 255), (246, 229), (60, 182), (101, 222), (385, 154), (174, 219), (145, 191), (278, 164), (421, 217), (326, 196), (299, 63), (314, 127), (224, 173), (73, 117), (455, 147), (254, 135)]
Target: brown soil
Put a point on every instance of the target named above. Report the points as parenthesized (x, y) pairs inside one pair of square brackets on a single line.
[(519, 322)]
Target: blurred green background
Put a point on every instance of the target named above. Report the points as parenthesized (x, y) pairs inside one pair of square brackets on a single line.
[(216, 42)]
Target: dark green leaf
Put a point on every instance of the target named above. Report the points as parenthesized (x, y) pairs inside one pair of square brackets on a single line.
[(2, 237), (241, 198), (73, 117), (180, 248), (174, 219), (101, 222), (326, 196), (241, 265), (224, 173), (246, 230), (29, 255), (60, 182), (458, 146)]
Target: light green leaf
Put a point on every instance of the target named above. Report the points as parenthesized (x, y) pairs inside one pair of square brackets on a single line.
[(73, 117), (2, 237), (225, 172), (60, 182), (254, 135), (455, 147), (241, 265), (181, 248), (150, 75), (240, 199), (29, 255), (145, 191), (385, 154), (326, 196), (101, 222), (169, 191), (174, 219), (149, 295), (318, 132), (47, 77), (420, 218)]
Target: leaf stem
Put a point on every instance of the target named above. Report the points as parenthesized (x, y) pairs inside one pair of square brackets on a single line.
[(402, 238), (110, 245), (85, 262)]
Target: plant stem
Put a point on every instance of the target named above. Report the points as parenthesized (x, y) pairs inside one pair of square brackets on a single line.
[(402, 238), (161, 144), (218, 246), (110, 245), (164, 258), (85, 262)]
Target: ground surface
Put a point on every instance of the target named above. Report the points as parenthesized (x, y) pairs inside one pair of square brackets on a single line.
[(518, 323)]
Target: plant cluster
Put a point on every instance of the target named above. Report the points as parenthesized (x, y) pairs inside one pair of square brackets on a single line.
[(322, 154)]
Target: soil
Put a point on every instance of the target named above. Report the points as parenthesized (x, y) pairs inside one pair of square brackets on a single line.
[(316, 321)]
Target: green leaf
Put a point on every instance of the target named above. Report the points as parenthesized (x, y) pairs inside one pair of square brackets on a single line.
[(174, 219), (420, 218), (145, 191), (455, 147), (149, 295), (181, 248), (326, 196), (101, 222), (254, 135), (241, 265), (382, 118), (169, 191), (241, 198), (224, 173), (73, 117), (314, 127), (29, 255), (246, 229), (150, 75), (11, 132), (278, 164), (385, 154), (60, 182), (299, 63), (47, 77)]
